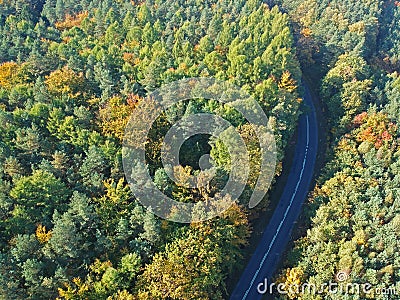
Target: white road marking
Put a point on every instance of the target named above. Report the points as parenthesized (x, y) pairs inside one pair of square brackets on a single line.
[(285, 215)]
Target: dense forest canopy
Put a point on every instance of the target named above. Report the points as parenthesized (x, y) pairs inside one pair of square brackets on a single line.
[(354, 210), (71, 74), (73, 71)]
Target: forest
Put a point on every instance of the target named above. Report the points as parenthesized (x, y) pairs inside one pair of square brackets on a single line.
[(352, 215), (71, 74), (73, 71)]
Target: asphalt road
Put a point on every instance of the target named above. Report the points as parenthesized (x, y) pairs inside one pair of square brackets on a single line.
[(264, 260)]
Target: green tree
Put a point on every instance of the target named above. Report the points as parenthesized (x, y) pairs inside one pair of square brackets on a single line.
[(39, 195)]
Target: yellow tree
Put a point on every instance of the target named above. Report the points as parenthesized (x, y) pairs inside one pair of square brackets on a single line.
[(65, 82), (292, 281), (42, 235), (10, 74), (115, 115)]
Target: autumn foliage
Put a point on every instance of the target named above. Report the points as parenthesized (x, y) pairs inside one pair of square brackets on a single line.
[(9, 74), (66, 82), (71, 21)]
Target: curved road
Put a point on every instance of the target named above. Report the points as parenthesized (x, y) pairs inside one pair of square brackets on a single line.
[(260, 269)]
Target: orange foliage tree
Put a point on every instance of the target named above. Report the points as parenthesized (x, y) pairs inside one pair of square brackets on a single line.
[(71, 21)]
